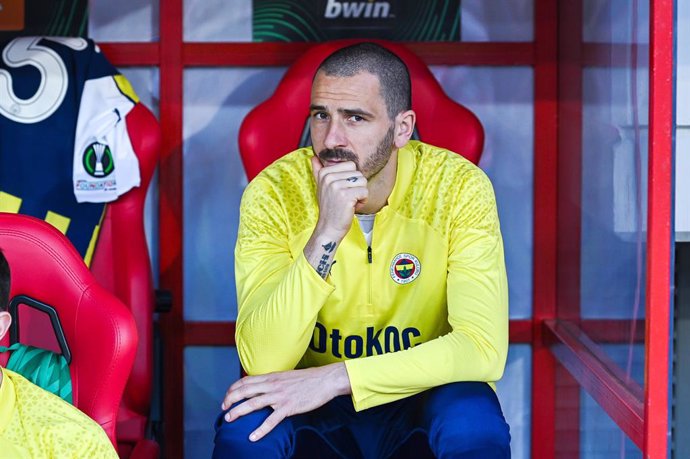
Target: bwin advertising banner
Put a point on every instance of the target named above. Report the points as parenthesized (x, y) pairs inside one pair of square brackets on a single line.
[(323, 20)]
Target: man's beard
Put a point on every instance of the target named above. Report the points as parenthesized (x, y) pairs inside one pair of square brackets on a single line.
[(373, 164)]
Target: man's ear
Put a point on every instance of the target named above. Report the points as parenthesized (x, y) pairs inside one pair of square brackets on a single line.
[(404, 126), (5, 322)]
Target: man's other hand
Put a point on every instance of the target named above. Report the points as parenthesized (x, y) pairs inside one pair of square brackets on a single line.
[(288, 393)]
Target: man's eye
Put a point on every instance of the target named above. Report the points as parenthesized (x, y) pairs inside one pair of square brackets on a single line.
[(320, 116), (356, 118)]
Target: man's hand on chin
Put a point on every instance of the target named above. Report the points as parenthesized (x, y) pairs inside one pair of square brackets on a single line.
[(288, 393)]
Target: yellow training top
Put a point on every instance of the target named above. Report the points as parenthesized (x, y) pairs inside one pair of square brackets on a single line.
[(427, 305), (37, 424)]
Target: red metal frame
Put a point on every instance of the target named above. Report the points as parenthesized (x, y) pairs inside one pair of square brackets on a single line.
[(284, 54), (569, 179), (659, 218), (569, 158), (622, 399), (223, 333), (642, 415), (613, 331), (545, 229), (555, 395), (567, 415), (171, 221), (130, 54)]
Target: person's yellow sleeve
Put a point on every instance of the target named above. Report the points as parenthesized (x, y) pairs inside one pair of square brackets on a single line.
[(279, 296)]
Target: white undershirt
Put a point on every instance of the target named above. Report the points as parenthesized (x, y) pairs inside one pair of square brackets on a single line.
[(366, 223)]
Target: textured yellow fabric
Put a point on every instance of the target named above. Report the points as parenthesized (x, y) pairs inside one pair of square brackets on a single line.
[(446, 321), (37, 424), (9, 203), (58, 221)]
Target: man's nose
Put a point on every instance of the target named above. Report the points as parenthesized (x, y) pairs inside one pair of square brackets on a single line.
[(335, 136)]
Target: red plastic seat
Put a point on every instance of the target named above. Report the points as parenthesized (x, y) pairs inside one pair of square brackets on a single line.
[(98, 328), (440, 120)]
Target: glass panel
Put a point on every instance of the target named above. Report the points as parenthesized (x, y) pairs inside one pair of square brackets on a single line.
[(683, 124), (611, 21), (630, 357), (144, 80), (614, 198), (683, 69), (113, 21), (217, 20), (514, 392), (614, 174), (682, 185), (506, 20), (214, 180), (502, 98), (208, 372), (600, 437)]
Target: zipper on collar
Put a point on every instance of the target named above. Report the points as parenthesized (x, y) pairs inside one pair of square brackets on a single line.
[(370, 259)]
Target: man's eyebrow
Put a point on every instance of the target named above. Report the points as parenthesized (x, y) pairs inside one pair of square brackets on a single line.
[(345, 111), (355, 112)]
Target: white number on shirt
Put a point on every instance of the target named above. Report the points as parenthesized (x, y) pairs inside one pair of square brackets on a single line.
[(53, 82)]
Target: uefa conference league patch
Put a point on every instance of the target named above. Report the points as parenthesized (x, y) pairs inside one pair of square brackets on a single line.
[(98, 162), (405, 268)]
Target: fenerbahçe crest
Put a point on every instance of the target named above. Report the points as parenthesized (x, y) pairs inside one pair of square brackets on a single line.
[(405, 268)]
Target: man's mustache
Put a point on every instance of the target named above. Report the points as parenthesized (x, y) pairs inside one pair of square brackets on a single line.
[(337, 154)]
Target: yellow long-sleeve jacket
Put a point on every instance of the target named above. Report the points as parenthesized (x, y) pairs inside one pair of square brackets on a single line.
[(425, 305)]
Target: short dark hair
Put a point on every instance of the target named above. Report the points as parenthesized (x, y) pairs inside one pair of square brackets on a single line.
[(393, 75), (4, 282)]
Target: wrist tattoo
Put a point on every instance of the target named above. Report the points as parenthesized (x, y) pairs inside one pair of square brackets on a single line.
[(324, 266)]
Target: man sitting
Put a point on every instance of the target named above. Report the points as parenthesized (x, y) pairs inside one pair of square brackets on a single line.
[(35, 423), (407, 333)]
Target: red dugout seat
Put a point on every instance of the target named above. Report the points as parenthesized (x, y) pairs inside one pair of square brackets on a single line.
[(440, 120), (98, 328)]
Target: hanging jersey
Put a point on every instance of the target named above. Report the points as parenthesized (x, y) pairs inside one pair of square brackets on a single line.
[(64, 148)]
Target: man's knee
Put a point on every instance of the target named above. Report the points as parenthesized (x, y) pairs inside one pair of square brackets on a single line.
[(232, 438), (465, 420), (486, 438)]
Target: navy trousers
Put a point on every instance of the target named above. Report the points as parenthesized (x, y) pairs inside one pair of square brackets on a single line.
[(460, 420)]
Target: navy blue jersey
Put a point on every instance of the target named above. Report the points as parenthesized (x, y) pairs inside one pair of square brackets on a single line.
[(59, 131)]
